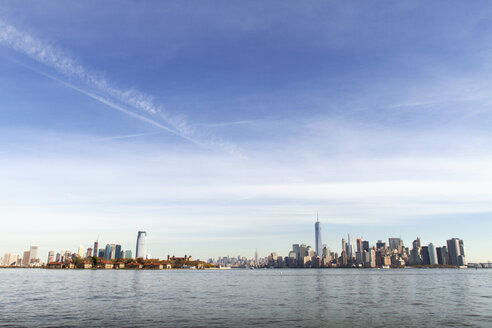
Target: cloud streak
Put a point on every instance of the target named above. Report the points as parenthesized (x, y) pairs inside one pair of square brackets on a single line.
[(100, 89)]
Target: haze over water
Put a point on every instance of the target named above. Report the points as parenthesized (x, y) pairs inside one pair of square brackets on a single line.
[(282, 298)]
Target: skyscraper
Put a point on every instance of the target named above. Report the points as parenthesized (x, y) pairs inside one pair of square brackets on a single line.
[(96, 251), (118, 252), (442, 255), (380, 244), (394, 243), (358, 253), (456, 252), (107, 252), (141, 250), (51, 256), (25, 258), (113, 251), (33, 254), (424, 252), (432, 254), (296, 249), (317, 234), (80, 251), (350, 246)]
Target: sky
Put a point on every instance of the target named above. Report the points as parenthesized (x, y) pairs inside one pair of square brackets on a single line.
[(221, 127)]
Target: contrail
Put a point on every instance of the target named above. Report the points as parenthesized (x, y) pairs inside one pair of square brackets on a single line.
[(102, 90)]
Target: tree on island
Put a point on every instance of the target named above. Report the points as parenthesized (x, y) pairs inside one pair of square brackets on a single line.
[(76, 260), (95, 260)]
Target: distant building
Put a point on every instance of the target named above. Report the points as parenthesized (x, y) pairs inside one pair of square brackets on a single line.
[(107, 252), (10, 259), (350, 246), (89, 252), (297, 249), (119, 265), (128, 254), (432, 254), (359, 253), (85, 265), (106, 264), (25, 258), (424, 252), (393, 243), (51, 257), (80, 252), (96, 250), (456, 252), (118, 253), (317, 234), (365, 245), (141, 249), (380, 244), (33, 255), (303, 252), (442, 255), (113, 251)]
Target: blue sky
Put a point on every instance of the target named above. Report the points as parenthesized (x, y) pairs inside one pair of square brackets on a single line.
[(221, 127)]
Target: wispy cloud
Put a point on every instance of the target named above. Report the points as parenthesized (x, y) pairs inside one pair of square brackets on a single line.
[(97, 87), (232, 123), (128, 136)]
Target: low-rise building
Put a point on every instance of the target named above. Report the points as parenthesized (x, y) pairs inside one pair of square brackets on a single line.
[(54, 265), (153, 266), (85, 265), (133, 265), (106, 265), (119, 265)]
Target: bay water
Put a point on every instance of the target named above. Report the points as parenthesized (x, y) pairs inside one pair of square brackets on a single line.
[(237, 298)]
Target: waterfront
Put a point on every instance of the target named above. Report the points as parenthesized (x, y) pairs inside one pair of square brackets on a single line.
[(290, 297)]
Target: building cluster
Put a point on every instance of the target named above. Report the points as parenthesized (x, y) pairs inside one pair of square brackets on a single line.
[(112, 256), (235, 262), (358, 253), (109, 252), (29, 259), (355, 253)]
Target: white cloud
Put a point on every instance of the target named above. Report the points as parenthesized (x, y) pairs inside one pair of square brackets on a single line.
[(100, 89)]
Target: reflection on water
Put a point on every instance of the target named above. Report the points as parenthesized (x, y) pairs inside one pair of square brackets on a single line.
[(293, 298)]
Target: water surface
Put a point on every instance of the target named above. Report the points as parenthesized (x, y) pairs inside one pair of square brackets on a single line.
[(281, 298)]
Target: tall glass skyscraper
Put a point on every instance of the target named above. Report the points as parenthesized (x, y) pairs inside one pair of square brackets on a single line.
[(141, 250), (317, 235), (107, 252), (118, 252)]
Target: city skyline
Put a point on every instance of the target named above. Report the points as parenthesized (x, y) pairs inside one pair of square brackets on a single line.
[(360, 254), (227, 126)]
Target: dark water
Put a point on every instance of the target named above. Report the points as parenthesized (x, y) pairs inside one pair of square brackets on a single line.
[(280, 298)]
